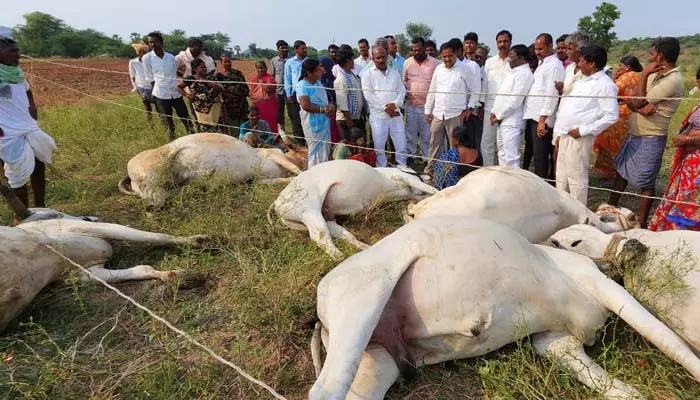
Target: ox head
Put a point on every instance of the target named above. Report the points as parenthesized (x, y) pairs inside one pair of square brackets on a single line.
[(615, 219), (603, 248), (404, 183)]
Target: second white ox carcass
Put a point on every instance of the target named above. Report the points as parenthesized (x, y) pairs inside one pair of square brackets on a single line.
[(152, 173), (520, 200), (342, 187)]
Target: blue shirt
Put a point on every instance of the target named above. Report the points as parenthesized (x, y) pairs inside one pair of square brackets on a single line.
[(262, 132), (399, 62), (317, 95), (292, 73)]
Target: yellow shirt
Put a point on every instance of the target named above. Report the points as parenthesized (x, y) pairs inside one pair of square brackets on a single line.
[(669, 84)]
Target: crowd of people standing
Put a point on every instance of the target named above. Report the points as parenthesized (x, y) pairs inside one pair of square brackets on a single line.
[(451, 107)]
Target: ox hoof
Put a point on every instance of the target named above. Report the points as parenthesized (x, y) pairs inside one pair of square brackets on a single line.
[(198, 240), (335, 254), (185, 279)]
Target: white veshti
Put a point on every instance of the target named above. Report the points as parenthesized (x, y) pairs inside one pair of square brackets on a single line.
[(448, 288), (518, 199), (668, 279), (153, 172), (341, 187), (27, 266)]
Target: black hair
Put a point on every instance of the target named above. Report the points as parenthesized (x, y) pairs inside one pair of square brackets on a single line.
[(447, 45), (253, 109), (308, 66), (226, 54), (547, 38), (463, 136), (697, 74), (260, 62), (281, 43), (195, 64), (455, 43), (344, 54), (299, 43), (363, 40), (6, 42), (595, 54), (471, 36), (156, 35), (562, 38), (505, 32), (387, 37), (521, 51), (332, 47), (669, 47), (354, 133), (194, 41), (632, 62), (418, 40), (430, 43)]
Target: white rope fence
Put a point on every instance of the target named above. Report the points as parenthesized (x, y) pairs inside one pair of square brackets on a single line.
[(141, 110), (172, 327), (379, 90)]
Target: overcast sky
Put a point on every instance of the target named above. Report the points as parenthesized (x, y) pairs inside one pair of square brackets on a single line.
[(322, 22)]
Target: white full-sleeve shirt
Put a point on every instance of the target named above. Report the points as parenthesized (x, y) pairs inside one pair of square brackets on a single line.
[(162, 71), (551, 70), (381, 88), (497, 70), (138, 75), (509, 109), (590, 115), (449, 90)]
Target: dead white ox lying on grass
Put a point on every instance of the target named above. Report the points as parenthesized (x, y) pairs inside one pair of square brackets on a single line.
[(520, 200), (27, 265), (152, 173), (447, 288), (667, 278), (313, 199)]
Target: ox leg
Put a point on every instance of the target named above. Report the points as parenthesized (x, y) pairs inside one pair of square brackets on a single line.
[(339, 232), (375, 375), (137, 273), (568, 350), (275, 181), (120, 232), (319, 233)]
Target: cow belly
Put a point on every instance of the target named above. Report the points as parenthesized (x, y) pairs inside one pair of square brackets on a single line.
[(232, 163), (352, 196)]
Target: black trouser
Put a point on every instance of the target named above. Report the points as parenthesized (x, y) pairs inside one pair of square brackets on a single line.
[(542, 150), (281, 101), (293, 112), (165, 109)]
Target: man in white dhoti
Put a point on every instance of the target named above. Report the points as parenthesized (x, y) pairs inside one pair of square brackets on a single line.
[(24, 148)]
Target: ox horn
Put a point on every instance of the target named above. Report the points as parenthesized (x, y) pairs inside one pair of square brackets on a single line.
[(15, 203)]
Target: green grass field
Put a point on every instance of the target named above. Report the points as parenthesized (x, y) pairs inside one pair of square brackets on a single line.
[(78, 340)]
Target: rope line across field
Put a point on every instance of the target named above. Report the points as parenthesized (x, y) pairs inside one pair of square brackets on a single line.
[(140, 110)]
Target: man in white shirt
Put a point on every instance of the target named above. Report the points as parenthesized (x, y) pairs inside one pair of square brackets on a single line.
[(581, 119), (507, 110), (193, 51), (384, 92), (364, 58), (161, 70), (574, 43), (496, 70), (449, 103), (541, 107), (140, 84), (24, 148)]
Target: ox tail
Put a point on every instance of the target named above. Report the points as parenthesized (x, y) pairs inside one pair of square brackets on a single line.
[(124, 186), (617, 300), (316, 349), (270, 210)]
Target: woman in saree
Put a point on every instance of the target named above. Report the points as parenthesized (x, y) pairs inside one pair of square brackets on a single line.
[(263, 89), (608, 143)]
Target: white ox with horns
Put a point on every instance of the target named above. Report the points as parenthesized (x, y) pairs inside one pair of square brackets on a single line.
[(152, 173), (446, 288), (520, 200), (28, 263), (667, 278), (313, 199)]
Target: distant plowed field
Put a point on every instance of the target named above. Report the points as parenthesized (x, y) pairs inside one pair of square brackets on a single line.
[(102, 84)]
